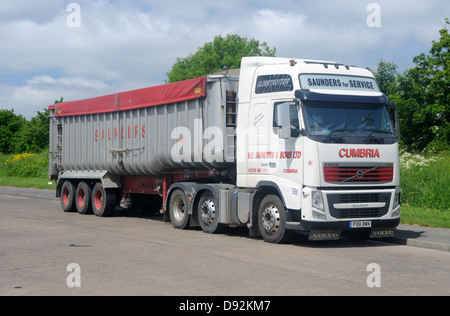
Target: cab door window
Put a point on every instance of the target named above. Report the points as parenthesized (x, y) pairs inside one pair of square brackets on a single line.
[(295, 124)]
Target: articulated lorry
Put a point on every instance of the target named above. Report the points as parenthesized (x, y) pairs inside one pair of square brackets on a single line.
[(281, 145)]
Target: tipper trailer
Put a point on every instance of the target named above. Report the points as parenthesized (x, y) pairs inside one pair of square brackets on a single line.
[(279, 146)]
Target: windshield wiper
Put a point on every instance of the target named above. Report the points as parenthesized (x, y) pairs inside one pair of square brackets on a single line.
[(369, 137), (328, 138)]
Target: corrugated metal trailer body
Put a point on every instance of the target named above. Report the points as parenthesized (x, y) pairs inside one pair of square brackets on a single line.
[(146, 131)]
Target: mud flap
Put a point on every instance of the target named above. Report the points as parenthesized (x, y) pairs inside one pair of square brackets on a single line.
[(317, 235), (382, 232)]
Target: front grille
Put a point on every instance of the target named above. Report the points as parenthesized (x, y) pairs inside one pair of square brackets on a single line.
[(359, 213), (345, 174), (358, 199)]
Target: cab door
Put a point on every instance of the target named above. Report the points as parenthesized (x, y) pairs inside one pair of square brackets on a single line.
[(259, 151), (287, 144)]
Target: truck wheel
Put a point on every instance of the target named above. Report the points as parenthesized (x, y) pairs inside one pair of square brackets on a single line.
[(68, 197), (272, 220), (208, 215), (83, 198), (103, 201), (178, 210)]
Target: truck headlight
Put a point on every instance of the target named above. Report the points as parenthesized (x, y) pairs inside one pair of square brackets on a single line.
[(397, 197), (317, 200), (397, 202)]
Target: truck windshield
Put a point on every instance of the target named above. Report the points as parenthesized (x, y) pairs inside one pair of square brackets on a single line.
[(357, 123)]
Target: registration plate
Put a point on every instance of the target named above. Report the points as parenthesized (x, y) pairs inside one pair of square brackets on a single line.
[(360, 224)]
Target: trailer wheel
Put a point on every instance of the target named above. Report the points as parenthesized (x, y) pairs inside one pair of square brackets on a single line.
[(103, 201), (272, 220), (68, 197), (178, 210), (208, 215), (83, 198)]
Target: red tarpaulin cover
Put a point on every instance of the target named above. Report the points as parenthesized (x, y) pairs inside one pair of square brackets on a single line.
[(153, 96)]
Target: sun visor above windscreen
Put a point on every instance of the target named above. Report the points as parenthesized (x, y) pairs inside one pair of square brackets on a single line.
[(338, 83)]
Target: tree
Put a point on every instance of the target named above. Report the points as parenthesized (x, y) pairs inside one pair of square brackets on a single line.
[(436, 70), (10, 124), (386, 76), (221, 53), (34, 134), (421, 97), (17, 135)]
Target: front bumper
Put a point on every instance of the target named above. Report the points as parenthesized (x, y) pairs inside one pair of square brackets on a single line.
[(333, 230), (339, 226)]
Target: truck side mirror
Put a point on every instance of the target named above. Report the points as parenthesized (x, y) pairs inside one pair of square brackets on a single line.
[(394, 116), (283, 120)]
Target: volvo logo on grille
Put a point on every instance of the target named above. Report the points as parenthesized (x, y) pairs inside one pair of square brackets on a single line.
[(360, 174)]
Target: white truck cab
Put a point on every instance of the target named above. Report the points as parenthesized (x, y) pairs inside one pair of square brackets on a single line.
[(319, 141)]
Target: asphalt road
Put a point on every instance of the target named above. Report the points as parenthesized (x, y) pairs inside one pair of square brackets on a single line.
[(134, 253)]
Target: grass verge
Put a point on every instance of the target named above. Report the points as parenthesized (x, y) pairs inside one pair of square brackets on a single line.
[(425, 181), (413, 215), (25, 171), (35, 183)]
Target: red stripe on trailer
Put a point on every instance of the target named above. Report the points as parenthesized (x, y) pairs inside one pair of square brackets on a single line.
[(135, 99)]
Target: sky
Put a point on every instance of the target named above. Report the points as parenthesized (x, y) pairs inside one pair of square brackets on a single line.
[(87, 48)]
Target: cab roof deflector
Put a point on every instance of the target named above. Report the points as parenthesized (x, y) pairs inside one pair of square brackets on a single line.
[(308, 95)]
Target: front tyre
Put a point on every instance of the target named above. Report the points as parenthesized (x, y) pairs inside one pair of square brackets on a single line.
[(272, 220)]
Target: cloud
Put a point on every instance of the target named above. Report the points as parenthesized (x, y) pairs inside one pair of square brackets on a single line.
[(116, 48), (338, 30), (278, 26), (41, 91), (128, 45), (39, 11), (109, 44), (77, 82)]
